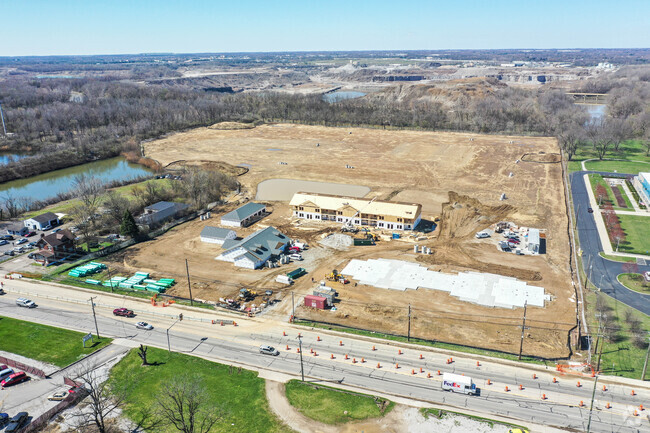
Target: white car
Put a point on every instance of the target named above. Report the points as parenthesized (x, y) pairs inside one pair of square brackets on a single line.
[(144, 325), (295, 257), (58, 396)]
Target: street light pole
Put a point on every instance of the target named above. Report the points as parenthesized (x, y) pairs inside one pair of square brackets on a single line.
[(92, 304), (302, 369), (169, 347)]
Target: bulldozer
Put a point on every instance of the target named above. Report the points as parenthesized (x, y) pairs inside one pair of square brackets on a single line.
[(247, 295), (335, 276)]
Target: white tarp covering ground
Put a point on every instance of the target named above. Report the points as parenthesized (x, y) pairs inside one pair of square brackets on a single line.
[(480, 288)]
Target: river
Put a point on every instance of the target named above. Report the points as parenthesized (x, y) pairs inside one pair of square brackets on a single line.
[(50, 184), (596, 111)]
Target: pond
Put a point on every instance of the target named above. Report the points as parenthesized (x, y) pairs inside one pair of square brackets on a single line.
[(284, 189), (340, 96), (50, 184), (8, 156)]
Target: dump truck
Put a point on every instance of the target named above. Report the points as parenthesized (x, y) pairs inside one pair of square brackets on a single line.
[(457, 383)]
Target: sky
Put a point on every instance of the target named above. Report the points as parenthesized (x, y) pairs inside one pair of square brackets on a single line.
[(66, 27)]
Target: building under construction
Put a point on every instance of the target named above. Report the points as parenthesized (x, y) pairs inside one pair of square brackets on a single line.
[(356, 211)]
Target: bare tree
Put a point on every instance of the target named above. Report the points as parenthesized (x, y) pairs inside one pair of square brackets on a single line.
[(11, 205), (81, 216), (600, 135), (142, 353), (89, 189), (185, 405), (104, 400), (115, 204)]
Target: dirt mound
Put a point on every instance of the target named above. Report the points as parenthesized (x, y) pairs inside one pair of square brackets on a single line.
[(479, 87), (229, 126), (542, 157), (223, 167), (463, 216)]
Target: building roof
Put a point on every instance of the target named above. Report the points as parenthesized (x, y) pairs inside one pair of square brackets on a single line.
[(215, 232), (260, 245), (16, 227), (58, 238), (44, 217), (243, 212), (533, 236), (377, 207), (161, 205)]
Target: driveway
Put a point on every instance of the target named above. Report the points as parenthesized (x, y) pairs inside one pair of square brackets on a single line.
[(600, 271)]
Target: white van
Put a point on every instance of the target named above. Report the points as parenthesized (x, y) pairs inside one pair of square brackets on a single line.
[(296, 257), (457, 383), (23, 302)]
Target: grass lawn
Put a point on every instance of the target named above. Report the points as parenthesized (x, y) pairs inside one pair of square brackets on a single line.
[(67, 205), (637, 233), (629, 151), (621, 358), (240, 393), (44, 343), (634, 282), (595, 180), (99, 246), (617, 258), (629, 167), (327, 405)]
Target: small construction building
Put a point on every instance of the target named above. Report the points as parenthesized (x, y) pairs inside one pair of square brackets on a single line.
[(256, 249), (55, 247), (160, 212), (43, 221), (17, 229), (356, 211), (216, 235), (244, 216)]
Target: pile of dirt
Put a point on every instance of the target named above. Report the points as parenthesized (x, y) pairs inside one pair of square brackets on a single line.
[(223, 167), (462, 216), (338, 241), (229, 126), (310, 236)]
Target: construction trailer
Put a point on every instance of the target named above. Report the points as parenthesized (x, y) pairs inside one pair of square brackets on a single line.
[(314, 301)]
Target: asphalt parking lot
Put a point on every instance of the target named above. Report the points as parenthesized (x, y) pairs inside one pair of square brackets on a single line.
[(12, 244)]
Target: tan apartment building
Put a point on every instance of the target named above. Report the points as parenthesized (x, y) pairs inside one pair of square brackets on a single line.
[(357, 211)]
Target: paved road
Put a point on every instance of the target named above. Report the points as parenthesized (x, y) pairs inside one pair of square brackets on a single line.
[(603, 272), (240, 345)]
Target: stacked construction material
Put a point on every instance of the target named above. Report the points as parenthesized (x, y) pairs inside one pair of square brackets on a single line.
[(141, 281), (87, 269)]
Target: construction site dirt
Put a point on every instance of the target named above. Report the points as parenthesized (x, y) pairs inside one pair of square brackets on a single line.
[(455, 176)]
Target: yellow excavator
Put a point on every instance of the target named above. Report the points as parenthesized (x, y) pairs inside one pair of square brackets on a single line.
[(335, 276)]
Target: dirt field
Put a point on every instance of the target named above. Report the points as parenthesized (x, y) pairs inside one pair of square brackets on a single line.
[(457, 176)]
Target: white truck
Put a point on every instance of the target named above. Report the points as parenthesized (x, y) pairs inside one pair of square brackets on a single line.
[(457, 383)]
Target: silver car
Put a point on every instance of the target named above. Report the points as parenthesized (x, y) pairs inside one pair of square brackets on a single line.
[(144, 325), (269, 350)]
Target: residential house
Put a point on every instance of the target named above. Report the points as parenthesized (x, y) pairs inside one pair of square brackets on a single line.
[(256, 249), (43, 221), (55, 247), (216, 235), (244, 215), (160, 212)]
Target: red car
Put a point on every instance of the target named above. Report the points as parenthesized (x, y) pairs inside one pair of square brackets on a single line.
[(294, 249), (14, 379), (513, 241), (123, 312), (30, 234)]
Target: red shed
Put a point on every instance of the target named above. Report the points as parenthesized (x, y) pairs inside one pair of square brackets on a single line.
[(315, 301)]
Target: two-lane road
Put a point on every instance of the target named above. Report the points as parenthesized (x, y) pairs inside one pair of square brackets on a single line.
[(600, 271)]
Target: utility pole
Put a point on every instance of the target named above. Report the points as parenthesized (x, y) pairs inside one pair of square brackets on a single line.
[(169, 347), (92, 304), (600, 339), (523, 330), (110, 280), (293, 308), (645, 364), (189, 286), (302, 369), (408, 335), (591, 407)]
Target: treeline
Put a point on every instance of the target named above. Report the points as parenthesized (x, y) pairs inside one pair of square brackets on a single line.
[(67, 122)]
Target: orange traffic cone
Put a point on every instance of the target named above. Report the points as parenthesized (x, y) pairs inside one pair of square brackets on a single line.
[(543, 396), (421, 357), (399, 351), (363, 360), (608, 406), (287, 347), (604, 387), (534, 376), (507, 389), (641, 407), (521, 387), (396, 365), (488, 382), (318, 338), (421, 371), (413, 371), (582, 403), (354, 360), (633, 393), (298, 350), (378, 365), (578, 384), (340, 343), (373, 348), (429, 375), (478, 364), (554, 380), (346, 356), (438, 372), (332, 356), (315, 354), (284, 334)]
